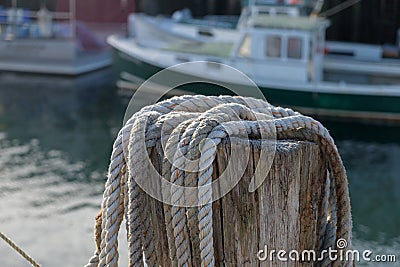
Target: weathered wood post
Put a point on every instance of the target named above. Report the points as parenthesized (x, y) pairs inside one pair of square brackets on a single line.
[(282, 214)]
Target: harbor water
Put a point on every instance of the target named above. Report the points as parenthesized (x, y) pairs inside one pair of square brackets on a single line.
[(56, 137)]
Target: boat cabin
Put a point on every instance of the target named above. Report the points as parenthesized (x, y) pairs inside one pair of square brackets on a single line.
[(282, 46)]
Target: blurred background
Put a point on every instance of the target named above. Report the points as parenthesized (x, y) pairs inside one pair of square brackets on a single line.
[(59, 116)]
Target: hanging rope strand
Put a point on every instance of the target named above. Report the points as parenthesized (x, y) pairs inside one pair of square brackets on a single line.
[(19, 250)]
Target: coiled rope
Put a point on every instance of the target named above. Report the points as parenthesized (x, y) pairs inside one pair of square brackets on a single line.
[(196, 124)]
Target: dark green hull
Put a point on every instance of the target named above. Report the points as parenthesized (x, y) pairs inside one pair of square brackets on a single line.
[(367, 108)]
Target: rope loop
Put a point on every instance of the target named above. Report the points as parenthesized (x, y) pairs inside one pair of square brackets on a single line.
[(186, 132)]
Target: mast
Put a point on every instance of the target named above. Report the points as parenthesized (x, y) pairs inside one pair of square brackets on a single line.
[(72, 17), (14, 14), (317, 8), (124, 4)]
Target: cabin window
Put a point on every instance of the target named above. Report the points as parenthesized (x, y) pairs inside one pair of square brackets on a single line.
[(245, 48), (294, 47), (274, 44)]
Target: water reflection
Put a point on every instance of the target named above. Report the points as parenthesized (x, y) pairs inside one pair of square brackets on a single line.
[(373, 170), (364, 132), (73, 117), (56, 136)]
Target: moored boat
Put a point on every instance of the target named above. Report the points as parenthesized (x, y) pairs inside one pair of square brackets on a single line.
[(283, 54), (46, 42), (343, 61)]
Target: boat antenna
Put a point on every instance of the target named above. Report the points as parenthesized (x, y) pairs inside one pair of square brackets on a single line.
[(72, 17), (339, 8), (317, 8), (252, 3), (124, 4), (43, 4)]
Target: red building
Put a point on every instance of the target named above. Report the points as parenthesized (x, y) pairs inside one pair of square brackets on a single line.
[(104, 11)]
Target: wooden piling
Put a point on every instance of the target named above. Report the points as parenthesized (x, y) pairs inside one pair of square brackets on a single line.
[(282, 214)]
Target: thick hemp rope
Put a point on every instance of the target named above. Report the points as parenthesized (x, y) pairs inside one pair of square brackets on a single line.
[(186, 131)]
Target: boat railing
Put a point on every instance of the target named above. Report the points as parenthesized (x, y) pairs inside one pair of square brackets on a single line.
[(249, 13), (275, 10), (20, 23), (300, 3)]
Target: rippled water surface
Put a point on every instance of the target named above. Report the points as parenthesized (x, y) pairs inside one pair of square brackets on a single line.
[(55, 142)]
